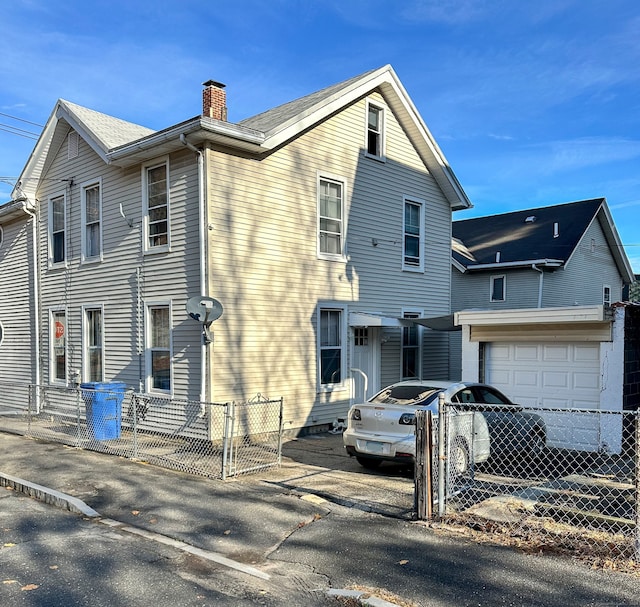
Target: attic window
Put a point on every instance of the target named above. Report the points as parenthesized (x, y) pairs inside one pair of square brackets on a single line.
[(1, 236), (72, 145), (530, 219), (375, 131)]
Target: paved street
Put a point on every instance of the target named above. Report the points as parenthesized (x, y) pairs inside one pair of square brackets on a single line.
[(317, 523)]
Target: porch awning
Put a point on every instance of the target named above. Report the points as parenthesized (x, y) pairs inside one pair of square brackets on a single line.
[(365, 319), (437, 323)]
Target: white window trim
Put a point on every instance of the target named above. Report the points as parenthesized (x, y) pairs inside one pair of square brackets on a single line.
[(417, 201), (52, 365), (147, 343), (412, 313), (85, 340), (604, 299), (148, 250), (51, 263), (383, 117), (342, 256), (1, 237), (1, 333), (504, 288), (344, 347), (83, 212)]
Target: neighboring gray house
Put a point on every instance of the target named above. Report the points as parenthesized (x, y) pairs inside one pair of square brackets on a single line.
[(318, 225), (18, 320), (534, 293)]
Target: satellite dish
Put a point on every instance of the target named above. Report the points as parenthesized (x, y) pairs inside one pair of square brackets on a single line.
[(204, 309)]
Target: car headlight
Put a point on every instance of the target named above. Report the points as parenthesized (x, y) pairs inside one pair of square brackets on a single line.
[(356, 416), (407, 419)]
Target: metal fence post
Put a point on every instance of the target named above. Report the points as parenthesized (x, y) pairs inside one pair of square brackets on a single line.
[(636, 461), (423, 466), (442, 455)]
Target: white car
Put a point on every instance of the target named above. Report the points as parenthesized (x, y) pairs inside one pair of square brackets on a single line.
[(383, 428)]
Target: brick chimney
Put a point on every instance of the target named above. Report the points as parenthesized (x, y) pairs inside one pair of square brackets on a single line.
[(214, 100)]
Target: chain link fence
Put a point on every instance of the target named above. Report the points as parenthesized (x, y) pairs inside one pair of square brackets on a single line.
[(544, 479), (215, 440)]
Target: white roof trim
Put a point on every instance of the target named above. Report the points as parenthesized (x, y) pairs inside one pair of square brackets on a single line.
[(570, 314)]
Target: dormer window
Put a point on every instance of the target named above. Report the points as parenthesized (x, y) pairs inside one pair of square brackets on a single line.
[(375, 131)]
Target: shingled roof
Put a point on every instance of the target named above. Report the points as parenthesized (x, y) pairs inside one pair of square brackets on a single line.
[(546, 236)]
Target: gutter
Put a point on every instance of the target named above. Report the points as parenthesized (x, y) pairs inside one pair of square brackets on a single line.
[(548, 263), (36, 296), (540, 284), (203, 257)]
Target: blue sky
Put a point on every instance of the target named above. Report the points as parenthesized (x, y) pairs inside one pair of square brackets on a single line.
[(533, 103)]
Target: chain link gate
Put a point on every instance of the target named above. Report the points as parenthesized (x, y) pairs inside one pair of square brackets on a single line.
[(582, 503)]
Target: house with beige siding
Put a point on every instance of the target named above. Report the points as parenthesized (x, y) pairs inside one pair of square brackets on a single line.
[(538, 296), (316, 230)]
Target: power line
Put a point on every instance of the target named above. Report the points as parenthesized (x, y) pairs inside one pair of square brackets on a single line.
[(21, 119), (16, 131)]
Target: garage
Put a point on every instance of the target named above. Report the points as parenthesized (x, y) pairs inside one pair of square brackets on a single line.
[(556, 376), (566, 362)]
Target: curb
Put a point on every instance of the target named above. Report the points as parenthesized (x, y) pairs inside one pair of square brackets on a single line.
[(49, 496)]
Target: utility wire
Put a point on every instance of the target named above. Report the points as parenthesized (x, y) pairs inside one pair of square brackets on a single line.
[(16, 131), (21, 119)]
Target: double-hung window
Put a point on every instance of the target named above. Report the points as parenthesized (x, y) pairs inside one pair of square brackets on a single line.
[(413, 235), (331, 223), (156, 207), (606, 295), (57, 230), (331, 346), (375, 131), (93, 360), (91, 222), (58, 349), (159, 348), (411, 352), (498, 288)]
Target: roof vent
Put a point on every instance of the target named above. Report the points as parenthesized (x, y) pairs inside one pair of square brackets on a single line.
[(530, 219)]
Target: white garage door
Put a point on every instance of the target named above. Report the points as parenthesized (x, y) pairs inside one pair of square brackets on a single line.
[(553, 376)]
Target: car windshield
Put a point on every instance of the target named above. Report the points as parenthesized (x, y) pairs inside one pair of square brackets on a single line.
[(406, 395)]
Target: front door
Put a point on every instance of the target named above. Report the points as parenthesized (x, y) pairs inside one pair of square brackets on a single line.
[(364, 369)]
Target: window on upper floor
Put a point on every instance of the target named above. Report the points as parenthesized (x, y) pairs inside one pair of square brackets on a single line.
[(158, 359), (606, 295), (91, 221), (1, 236), (156, 207), (375, 131), (332, 356), (331, 224), (57, 230), (411, 350), (413, 235), (498, 288), (1, 333), (58, 346), (93, 339)]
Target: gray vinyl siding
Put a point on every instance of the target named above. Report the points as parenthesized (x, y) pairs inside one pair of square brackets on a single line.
[(113, 282), (17, 355), (582, 280), (264, 268)]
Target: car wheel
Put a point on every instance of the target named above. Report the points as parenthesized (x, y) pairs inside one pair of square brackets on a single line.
[(459, 458), (368, 462)]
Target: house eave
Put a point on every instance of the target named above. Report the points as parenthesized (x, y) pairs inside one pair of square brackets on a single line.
[(513, 265), (199, 130)]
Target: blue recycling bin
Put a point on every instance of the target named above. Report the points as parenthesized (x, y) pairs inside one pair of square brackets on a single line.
[(103, 403)]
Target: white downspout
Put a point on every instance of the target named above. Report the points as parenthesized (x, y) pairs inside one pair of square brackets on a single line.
[(540, 283), (36, 296), (203, 255)]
